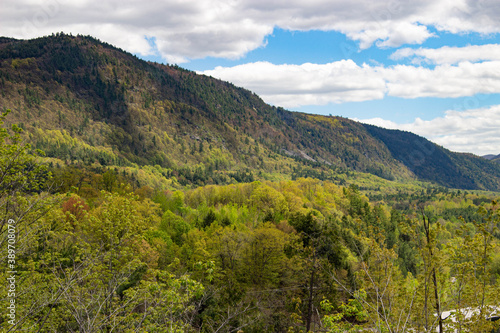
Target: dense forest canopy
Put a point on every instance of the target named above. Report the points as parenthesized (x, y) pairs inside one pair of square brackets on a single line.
[(287, 256)]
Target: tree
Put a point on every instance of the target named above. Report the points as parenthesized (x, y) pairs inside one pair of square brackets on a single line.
[(175, 226), (454, 276), (431, 261), (23, 181), (166, 304), (379, 291), (473, 289), (270, 201), (321, 252), (24, 200)]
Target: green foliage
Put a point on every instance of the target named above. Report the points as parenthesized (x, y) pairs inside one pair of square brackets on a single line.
[(132, 264), (23, 181), (174, 225), (352, 312)]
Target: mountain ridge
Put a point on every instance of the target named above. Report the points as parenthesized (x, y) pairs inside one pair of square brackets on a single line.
[(80, 99), (492, 157)]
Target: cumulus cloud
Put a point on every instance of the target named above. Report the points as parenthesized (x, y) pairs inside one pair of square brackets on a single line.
[(450, 55), (344, 81), (188, 29), (464, 79), (307, 84), (463, 131)]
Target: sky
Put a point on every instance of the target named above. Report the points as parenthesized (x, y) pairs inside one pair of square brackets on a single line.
[(431, 67)]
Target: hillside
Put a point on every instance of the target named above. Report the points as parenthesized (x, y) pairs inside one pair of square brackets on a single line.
[(86, 102), (492, 157), (434, 163)]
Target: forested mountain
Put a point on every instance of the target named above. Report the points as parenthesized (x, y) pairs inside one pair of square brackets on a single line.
[(434, 163), (492, 157), (84, 101)]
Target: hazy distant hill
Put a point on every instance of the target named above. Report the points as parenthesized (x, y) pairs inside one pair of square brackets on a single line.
[(492, 157), (87, 101)]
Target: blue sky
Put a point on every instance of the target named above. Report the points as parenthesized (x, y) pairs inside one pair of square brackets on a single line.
[(298, 47), (431, 67), (321, 47)]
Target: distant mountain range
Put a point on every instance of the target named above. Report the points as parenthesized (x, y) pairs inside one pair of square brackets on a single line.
[(492, 157), (83, 100)]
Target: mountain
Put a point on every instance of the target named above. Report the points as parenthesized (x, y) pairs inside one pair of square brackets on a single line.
[(86, 102), (492, 157), (434, 163)]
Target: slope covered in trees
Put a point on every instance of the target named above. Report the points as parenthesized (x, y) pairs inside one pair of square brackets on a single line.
[(437, 164), (84, 102), (289, 256)]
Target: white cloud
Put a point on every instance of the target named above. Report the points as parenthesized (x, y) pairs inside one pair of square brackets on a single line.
[(391, 35), (464, 79), (406, 33), (186, 29), (463, 131), (307, 84), (344, 81), (380, 122), (450, 55)]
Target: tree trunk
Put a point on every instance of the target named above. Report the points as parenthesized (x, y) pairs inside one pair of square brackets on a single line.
[(311, 295), (434, 277)]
